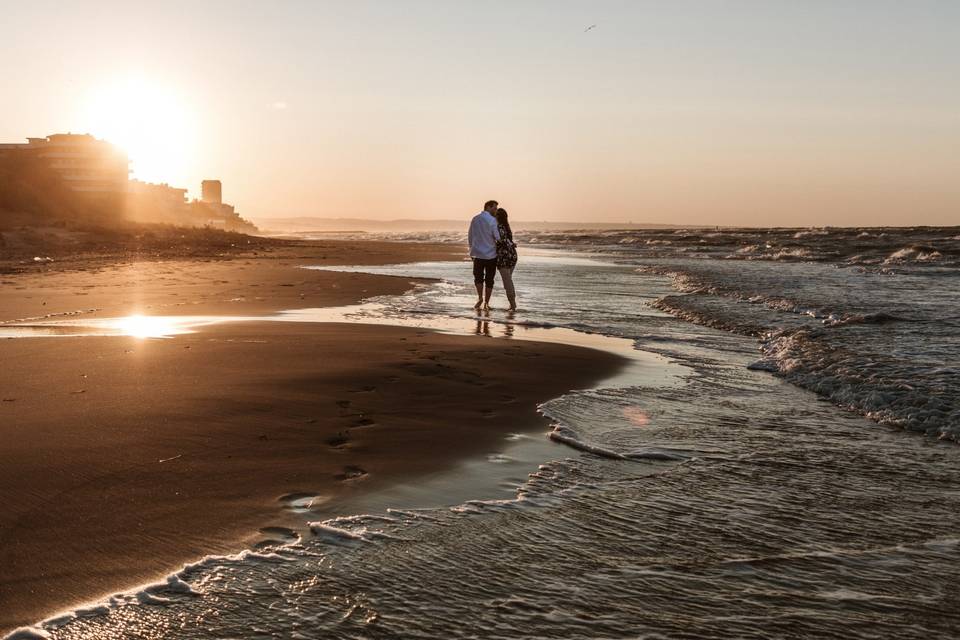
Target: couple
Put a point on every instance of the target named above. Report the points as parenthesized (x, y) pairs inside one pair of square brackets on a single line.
[(492, 249)]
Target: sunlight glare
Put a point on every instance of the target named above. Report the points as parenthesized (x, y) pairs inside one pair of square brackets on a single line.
[(149, 121), (139, 326)]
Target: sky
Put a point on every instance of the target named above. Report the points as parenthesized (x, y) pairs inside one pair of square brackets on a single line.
[(735, 112)]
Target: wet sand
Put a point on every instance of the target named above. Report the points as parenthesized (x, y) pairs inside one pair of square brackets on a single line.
[(124, 458), (253, 282)]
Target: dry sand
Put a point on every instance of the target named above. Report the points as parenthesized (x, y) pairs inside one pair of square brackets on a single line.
[(121, 459)]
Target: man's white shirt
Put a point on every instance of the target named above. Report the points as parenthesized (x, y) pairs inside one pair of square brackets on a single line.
[(483, 236)]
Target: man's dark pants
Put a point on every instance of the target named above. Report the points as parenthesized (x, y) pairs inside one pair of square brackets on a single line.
[(484, 271)]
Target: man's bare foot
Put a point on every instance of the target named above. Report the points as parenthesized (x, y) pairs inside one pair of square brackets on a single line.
[(486, 307), (478, 305)]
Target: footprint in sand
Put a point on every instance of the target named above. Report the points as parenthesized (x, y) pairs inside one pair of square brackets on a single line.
[(279, 531), (339, 441), (365, 389), (302, 501), (351, 472), (276, 536)]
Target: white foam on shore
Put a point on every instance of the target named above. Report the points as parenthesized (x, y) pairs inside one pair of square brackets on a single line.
[(153, 593)]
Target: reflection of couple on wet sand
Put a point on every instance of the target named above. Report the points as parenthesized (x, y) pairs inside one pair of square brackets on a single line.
[(483, 328), (492, 249)]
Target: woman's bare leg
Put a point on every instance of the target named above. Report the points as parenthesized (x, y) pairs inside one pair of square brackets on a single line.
[(506, 276)]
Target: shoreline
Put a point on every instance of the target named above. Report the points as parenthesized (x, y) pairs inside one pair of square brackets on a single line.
[(205, 433)]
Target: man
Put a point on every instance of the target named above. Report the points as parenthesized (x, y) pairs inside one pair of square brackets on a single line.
[(483, 238)]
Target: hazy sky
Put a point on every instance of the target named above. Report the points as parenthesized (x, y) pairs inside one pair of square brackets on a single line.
[(725, 112)]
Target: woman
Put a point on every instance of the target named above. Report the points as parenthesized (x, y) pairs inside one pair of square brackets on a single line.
[(506, 257)]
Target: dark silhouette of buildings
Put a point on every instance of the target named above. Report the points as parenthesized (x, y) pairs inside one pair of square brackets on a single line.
[(85, 164), (92, 170)]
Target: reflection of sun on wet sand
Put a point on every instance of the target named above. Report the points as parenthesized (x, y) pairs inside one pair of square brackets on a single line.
[(124, 457), (140, 326)]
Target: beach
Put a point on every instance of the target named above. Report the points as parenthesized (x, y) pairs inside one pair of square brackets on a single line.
[(125, 458)]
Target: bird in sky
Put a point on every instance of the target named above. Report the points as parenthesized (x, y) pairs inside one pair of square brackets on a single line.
[(593, 26)]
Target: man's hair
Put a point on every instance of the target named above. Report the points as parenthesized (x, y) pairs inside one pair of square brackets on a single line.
[(490, 203)]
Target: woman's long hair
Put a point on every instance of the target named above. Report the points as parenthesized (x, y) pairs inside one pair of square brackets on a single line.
[(504, 221)]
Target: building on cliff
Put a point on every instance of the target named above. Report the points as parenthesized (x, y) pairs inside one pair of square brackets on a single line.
[(95, 170), (85, 164), (211, 210)]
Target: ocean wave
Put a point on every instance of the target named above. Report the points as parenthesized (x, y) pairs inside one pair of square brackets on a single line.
[(878, 388), (848, 370), (571, 438), (861, 245), (686, 308), (874, 344), (879, 317), (914, 254), (792, 253), (811, 233)]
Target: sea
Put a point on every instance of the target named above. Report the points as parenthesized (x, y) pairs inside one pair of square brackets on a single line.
[(778, 458)]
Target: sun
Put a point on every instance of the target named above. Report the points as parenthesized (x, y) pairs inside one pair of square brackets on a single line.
[(149, 121)]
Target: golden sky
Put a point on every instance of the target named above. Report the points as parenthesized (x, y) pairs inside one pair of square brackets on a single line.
[(712, 112)]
